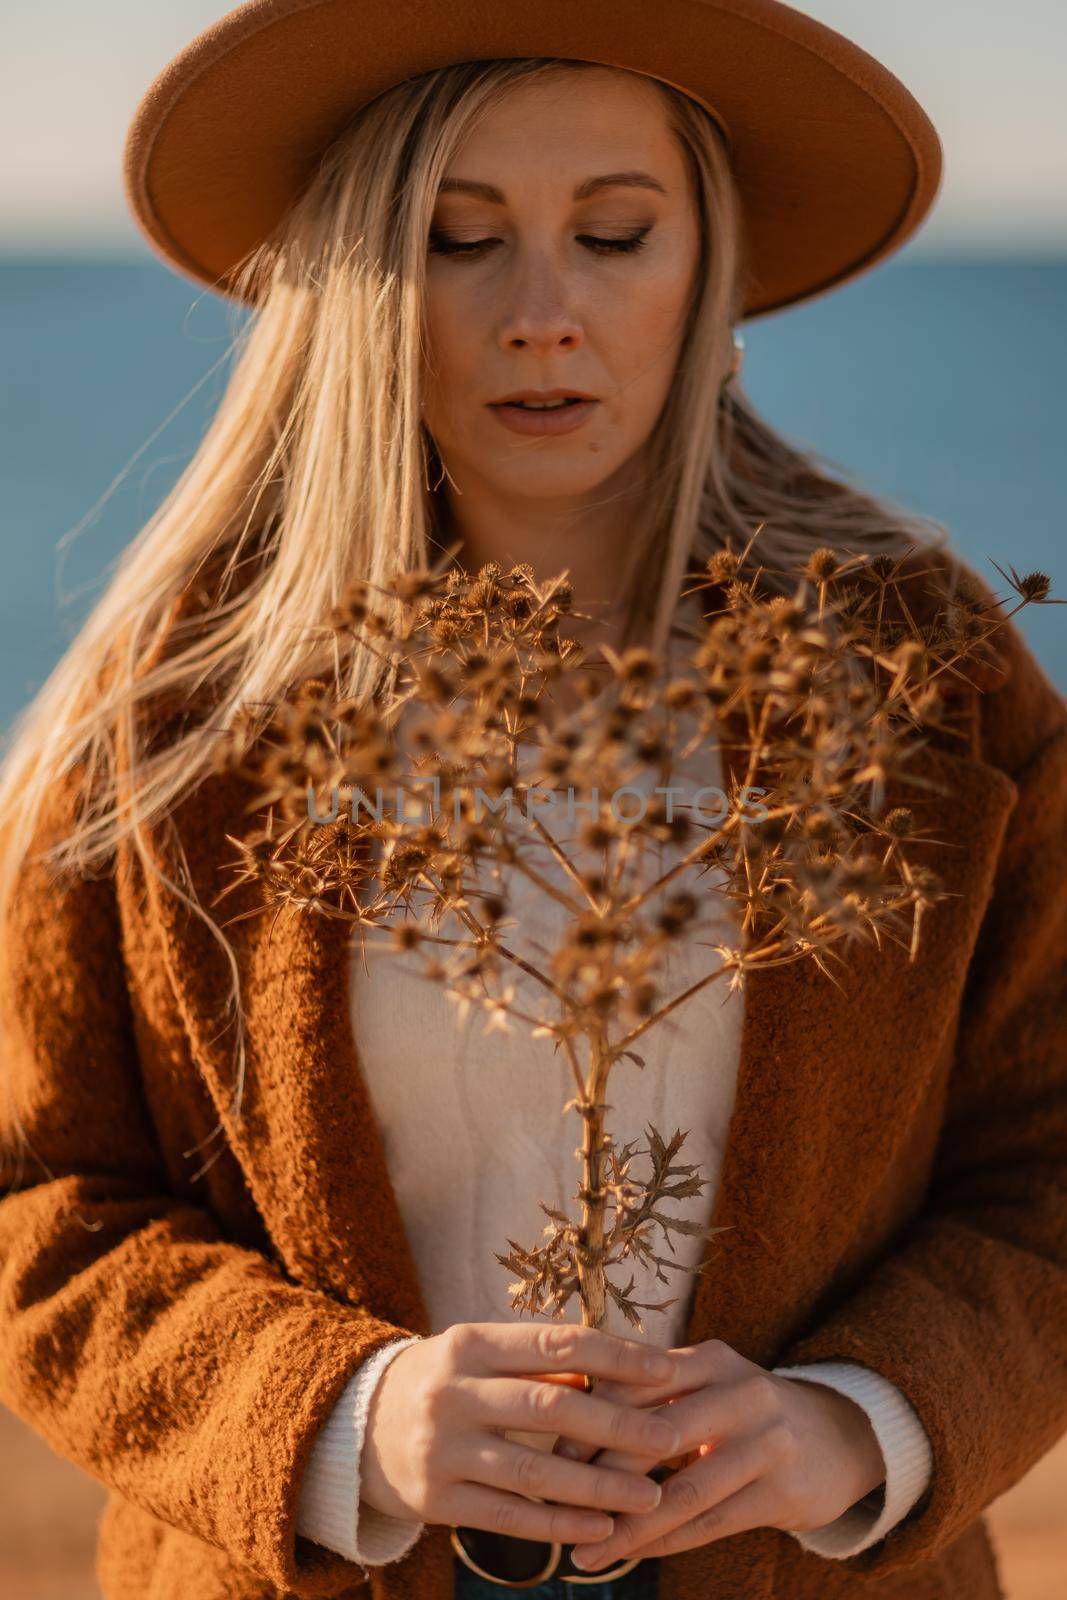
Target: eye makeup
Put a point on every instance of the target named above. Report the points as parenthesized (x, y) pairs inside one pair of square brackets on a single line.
[(439, 243)]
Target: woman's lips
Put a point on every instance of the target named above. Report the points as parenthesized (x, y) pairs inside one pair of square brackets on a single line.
[(557, 419)]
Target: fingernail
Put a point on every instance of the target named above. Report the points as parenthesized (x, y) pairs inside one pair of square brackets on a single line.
[(642, 1500), (663, 1437)]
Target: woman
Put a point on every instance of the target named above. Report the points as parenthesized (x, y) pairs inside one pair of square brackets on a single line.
[(257, 1357)]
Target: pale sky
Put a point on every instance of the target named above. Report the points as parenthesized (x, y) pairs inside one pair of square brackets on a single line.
[(991, 75)]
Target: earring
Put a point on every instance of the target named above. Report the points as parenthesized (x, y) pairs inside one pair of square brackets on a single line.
[(738, 358)]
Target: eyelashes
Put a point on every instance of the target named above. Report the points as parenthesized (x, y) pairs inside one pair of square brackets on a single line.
[(440, 244)]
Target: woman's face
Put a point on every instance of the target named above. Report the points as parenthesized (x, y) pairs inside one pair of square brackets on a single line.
[(541, 277)]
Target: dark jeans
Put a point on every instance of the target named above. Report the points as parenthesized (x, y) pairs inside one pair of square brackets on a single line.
[(640, 1584)]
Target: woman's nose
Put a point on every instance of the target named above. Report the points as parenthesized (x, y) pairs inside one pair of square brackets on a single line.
[(540, 316)]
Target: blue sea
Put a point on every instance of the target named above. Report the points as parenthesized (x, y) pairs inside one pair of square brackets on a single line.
[(940, 383)]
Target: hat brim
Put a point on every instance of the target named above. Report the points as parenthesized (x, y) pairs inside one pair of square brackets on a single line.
[(835, 162)]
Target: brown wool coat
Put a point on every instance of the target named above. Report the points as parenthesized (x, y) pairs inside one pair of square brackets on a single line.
[(894, 1192)]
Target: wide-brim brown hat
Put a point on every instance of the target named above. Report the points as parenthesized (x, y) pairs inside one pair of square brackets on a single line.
[(835, 162)]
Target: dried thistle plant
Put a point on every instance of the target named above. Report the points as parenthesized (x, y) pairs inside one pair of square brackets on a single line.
[(822, 692)]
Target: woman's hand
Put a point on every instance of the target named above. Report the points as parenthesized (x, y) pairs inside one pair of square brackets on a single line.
[(757, 1451), (434, 1450)]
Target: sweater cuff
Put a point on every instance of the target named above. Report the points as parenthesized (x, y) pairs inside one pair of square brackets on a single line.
[(905, 1451), (330, 1509)]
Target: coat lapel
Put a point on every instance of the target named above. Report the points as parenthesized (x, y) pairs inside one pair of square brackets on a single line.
[(831, 1074), (305, 1136)]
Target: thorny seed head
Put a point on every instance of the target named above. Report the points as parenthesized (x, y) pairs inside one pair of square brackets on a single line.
[(597, 834), (679, 694), (1035, 586), (637, 665), (722, 566), (493, 907), (821, 565), (899, 822), (352, 608), (785, 615), (411, 585), (679, 910)]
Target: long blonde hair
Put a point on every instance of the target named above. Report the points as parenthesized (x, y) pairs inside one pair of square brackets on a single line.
[(316, 468)]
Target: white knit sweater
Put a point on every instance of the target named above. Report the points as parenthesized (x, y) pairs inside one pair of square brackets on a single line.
[(474, 1138)]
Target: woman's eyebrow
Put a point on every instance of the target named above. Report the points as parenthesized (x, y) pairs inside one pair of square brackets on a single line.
[(486, 191)]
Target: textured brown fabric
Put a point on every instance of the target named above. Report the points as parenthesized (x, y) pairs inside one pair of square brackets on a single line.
[(836, 163), (893, 1191)]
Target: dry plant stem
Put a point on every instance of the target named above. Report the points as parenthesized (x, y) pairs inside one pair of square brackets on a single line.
[(687, 994), (564, 861), (480, 933), (713, 836), (592, 1194), (947, 666), (552, 890)]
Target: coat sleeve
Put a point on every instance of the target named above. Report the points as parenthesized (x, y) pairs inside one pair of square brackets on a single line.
[(178, 1368), (967, 1314)]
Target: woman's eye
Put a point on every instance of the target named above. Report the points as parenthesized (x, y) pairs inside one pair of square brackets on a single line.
[(441, 244)]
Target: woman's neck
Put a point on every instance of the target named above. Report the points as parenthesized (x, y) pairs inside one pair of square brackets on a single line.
[(589, 541)]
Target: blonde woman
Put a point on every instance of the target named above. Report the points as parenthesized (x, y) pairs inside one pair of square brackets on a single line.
[(252, 1191)]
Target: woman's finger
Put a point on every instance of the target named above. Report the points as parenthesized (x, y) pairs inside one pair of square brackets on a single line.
[(704, 1419), (471, 1505), (513, 1347), (628, 1461), (707, 1417), (574, 1449), (555, 1408), (752, 1506), (696, 1366), (505, 1464), (687, 1497)]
